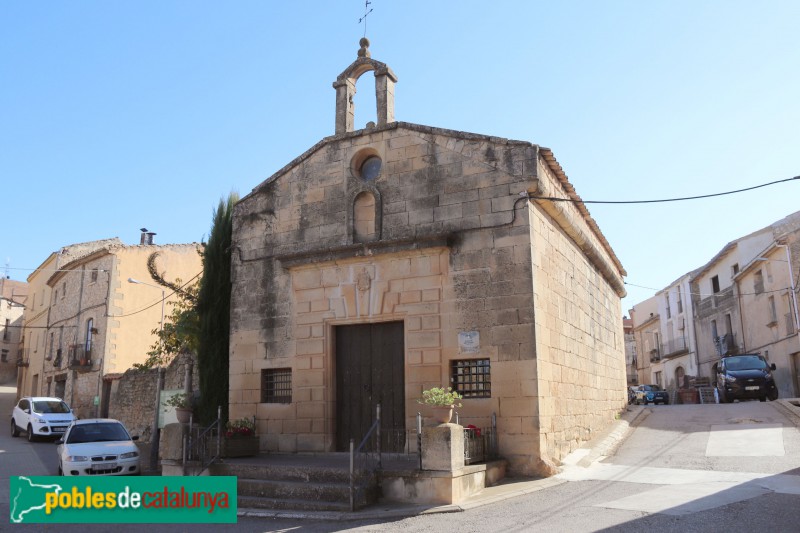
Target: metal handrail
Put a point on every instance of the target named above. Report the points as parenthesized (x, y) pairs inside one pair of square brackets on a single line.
[(197, 447), (376, 430)]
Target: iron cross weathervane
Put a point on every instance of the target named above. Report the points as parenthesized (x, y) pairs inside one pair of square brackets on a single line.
[(367, 11)]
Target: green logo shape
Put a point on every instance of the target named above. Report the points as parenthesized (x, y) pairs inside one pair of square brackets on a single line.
[(123, 500)]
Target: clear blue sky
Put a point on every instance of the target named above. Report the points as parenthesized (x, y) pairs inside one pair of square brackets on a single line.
[(121, 115)]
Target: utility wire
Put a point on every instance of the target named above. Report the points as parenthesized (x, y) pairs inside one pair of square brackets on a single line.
[(572, 200), (707, 294), (166, 296)]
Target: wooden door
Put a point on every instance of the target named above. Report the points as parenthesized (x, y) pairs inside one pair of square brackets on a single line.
[(370, 370)]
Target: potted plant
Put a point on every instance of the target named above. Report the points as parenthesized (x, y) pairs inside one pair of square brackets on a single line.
[(240, 438), (182, 402), (441, 402)]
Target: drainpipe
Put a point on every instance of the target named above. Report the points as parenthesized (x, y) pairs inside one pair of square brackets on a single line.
[(77, 330), (741, 315), (694, 329), (792, 290), (98, 408)]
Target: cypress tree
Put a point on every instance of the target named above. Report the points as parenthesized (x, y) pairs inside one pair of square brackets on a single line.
[(213, 308)]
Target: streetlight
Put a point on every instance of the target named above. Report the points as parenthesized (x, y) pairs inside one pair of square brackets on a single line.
[(159, 381)]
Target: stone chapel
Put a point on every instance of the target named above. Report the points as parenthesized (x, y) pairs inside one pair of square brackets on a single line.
[(387, 260)]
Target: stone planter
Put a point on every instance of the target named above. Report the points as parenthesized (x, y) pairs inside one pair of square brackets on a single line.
[(240, 446), (441, 414), (183, 414)]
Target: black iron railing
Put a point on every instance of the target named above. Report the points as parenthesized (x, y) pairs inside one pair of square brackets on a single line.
[(365, 460), (480, 444), (203, 446)]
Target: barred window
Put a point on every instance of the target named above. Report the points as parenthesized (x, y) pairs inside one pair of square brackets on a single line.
[(276, 385), (471, 378)]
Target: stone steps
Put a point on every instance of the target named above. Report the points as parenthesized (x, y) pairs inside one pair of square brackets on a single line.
[(295, 487)]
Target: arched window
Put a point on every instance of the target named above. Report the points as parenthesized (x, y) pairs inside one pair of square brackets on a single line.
[(364, 218)]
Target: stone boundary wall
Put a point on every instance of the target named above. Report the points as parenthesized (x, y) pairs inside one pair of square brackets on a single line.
[(133, 395)]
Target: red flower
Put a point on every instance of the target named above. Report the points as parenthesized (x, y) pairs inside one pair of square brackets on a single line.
[(476, 430)]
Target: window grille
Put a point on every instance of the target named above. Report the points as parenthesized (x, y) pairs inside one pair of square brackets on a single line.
[(276, 385), (472, 378)]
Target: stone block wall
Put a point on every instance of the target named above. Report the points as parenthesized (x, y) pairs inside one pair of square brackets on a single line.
[(133, 395), (579, 334)]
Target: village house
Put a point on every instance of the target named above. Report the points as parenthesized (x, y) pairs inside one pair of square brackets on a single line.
[(398, 257), (102, 306), (630, 352), (677, 357), (647, 337), (13, 295), (717, 304), (769, 309)]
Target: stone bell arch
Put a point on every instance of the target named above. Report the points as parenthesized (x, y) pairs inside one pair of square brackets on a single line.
[(345, 86)]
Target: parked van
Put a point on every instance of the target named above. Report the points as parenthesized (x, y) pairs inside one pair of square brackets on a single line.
[(745, 377)]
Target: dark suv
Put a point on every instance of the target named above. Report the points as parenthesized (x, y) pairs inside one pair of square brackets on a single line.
[(745, 377)]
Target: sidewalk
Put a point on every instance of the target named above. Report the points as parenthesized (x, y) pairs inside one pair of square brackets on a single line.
[(604, 444)]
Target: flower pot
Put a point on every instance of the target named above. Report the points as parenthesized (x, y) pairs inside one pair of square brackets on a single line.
[(240, 446), (183, 414), (441, 414)]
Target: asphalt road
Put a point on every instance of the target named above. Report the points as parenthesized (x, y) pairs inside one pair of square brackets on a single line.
[(707, 468)]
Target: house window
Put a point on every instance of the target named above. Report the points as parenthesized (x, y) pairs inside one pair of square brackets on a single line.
[(773, 314), (680, 303), (94, 275), (89, 332), (5, 330), (471, 378), (276, 385), (734, 269), (3, 356), (758, 282), (669, 311), (714, 334), (63, 290), (728, 324), (715, 284)]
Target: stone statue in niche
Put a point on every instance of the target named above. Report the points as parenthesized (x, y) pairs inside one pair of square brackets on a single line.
[(363, 281)]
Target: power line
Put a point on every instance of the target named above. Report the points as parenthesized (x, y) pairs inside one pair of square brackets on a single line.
[(707, 294), (578, 201), (157, 302)]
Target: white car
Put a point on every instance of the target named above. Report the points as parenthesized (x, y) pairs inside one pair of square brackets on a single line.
[(41, 416), (98, 447)]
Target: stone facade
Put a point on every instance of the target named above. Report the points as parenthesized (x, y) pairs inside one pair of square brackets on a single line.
[(445, 240)]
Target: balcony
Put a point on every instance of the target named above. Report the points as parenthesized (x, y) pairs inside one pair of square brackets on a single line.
[(726, 345), (655, 355), (80, 358), (675, 347), (57, 360)]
